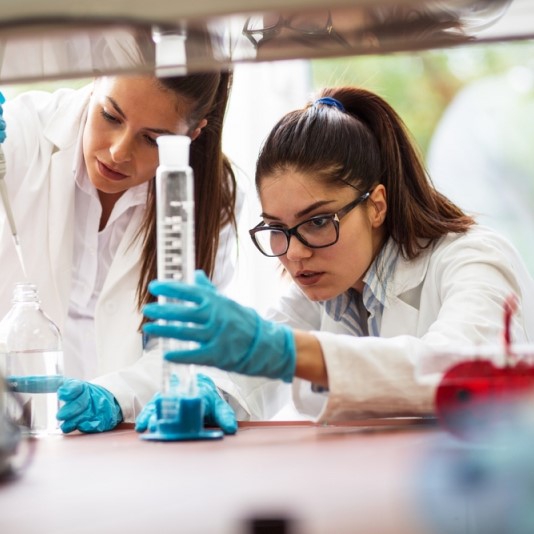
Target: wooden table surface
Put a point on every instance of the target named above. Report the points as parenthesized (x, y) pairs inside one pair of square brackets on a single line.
[(354, 478)]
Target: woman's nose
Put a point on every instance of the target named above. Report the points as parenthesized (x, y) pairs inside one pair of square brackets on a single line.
[(297, 251), (121, 148)]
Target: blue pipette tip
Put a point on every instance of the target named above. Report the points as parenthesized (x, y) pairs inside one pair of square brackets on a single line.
[(180, 419)]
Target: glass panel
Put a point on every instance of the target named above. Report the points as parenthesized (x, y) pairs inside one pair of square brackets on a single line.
[(40, 46)]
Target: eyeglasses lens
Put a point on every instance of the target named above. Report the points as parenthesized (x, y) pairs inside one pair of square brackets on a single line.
[(271, 242), (320, 232)]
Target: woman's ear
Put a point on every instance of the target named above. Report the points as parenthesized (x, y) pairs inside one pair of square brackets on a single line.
[(378, 206), (197, 131)]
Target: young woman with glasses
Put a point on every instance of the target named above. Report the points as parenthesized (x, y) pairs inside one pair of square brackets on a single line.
[(384, 269)]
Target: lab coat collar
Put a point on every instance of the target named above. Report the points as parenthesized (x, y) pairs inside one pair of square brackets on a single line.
[(402, 276), (69, 118)]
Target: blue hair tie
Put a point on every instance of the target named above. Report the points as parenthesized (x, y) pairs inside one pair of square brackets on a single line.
[(329, 101)]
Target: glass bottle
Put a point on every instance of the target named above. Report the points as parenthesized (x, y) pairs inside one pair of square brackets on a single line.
[(33, 354)]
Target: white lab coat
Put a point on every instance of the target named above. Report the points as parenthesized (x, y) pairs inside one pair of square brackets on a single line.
[(42, 135), (450, 297)]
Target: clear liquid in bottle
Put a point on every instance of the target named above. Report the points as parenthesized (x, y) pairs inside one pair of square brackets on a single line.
[(32, 348)]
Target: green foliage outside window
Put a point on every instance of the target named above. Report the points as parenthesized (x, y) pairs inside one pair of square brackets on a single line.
[(420, 85)]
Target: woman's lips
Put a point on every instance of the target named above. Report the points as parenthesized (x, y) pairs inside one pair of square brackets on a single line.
[(308, 278), (107, 172)]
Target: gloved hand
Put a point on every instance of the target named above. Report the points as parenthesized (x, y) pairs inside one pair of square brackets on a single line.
[(216, 410), (229, 336), (88, 407), (2, 121)]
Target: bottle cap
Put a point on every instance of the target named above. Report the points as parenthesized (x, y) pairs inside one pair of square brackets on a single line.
[(173, 150)]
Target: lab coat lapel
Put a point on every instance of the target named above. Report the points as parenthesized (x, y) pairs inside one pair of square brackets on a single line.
[(61, 222), (61, 210), (63, 131), (128, 255), (399, 319), (401, 313)]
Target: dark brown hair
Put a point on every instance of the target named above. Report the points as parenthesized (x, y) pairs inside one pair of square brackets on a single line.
[(206, 95), (364, 145)]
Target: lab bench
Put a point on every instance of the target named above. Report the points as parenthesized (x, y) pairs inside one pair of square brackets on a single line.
[(275, 477)]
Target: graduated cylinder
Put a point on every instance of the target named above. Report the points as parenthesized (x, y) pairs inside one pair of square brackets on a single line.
[(175, 206)]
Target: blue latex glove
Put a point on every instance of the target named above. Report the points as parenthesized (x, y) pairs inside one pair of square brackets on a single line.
[(216, 410), (2, 121), (88, 407), (229, 336)]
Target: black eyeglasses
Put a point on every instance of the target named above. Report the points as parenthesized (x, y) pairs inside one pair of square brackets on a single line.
[(320, 231), (260, 29)]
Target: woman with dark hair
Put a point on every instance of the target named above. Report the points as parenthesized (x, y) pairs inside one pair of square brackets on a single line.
[(80, 167), (384, 269)]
